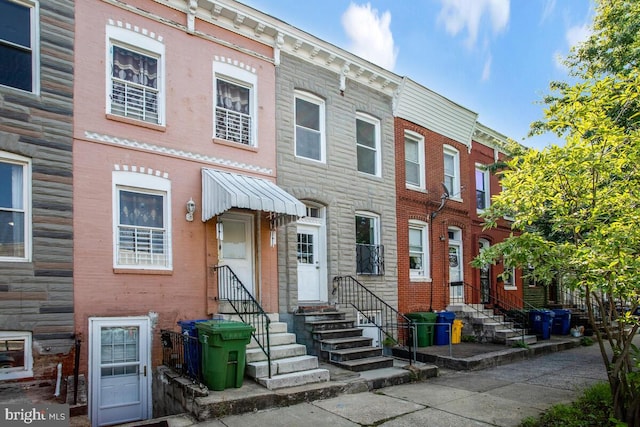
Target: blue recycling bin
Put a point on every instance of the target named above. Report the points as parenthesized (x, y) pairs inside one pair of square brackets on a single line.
[(541, 322), (443, 332), (191, 347), (561, 322)]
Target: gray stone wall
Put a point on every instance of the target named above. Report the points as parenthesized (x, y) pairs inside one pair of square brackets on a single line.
[(336, 184), (37, 296)]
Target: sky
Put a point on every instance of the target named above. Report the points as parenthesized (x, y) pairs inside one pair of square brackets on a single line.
[(493, 57)]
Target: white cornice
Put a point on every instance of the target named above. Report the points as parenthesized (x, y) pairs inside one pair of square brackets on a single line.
[(187, 155), (282, 37)]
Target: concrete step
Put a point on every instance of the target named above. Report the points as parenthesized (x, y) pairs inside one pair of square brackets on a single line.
[(336, 333), (348, 342), (277, 352), (370, 363), (324, 325), (504, 334), (276, 339), (313, 316), (527, 339), (295, 379), (282, 366), (354, 353)]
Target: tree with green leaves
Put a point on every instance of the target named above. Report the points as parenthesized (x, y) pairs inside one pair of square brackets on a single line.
[(576, 208)]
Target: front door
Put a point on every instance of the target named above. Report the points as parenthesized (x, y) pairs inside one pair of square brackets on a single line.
[(237, 247), (310, 263), (119, 370), (456, 278), (485, 276)]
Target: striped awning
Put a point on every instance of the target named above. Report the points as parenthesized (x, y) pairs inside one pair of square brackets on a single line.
[(222, 191)]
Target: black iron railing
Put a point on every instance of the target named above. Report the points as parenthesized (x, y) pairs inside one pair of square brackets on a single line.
[(370, 259), (503, 303), (395, 328), (182, 353), (231, 289)]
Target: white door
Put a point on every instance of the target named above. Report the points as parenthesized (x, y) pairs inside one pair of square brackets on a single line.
[(237, 247), (456, 277), (119, 370), (310, 263)]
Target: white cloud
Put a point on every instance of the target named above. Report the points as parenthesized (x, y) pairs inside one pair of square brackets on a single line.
[(486, 70), (370, 34), (577, 34), (547, 11), (458, 15)]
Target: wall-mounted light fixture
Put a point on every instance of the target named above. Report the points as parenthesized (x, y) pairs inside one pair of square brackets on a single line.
[(191, 208)]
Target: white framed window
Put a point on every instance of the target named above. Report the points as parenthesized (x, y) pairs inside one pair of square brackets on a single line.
[(418, 251), (235, 94), (414, 160), (16, 357), (135, 86), (15, 207), (368, 144), (483, 194), (309, 127), (369, 251), (509, 277), (452, 171), (19, 35), (142, 221)]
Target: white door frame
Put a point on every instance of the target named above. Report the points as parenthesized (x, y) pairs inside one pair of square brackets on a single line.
[(456, 293), (321, 246), (145, 373)]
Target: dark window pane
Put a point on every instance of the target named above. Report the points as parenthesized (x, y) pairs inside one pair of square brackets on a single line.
[(366, 133), (15, 23), (307, 114), (15, 68)]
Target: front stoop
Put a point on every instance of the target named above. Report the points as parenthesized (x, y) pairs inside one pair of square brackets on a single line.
[(337, 341), (290, 364), (487, 326)]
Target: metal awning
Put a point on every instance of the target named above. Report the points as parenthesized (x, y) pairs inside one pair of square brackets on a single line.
[(222, 191)]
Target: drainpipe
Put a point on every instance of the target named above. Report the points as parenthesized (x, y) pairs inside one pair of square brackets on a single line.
[(58, 380)]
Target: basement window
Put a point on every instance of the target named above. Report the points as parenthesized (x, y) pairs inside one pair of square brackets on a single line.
[(16, 360)]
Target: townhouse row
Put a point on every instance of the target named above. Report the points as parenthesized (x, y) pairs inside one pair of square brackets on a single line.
[(144, 143)]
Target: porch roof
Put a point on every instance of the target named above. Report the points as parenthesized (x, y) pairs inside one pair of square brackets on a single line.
[(222, 191)]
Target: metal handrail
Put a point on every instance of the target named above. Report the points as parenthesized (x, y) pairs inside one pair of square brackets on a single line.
[(231, 289), (349, 291), (502, 304)]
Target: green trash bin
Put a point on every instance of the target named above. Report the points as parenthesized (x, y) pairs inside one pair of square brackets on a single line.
[(425, 321), (224, 344)]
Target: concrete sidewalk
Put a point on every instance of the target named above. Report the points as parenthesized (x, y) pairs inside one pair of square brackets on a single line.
[(495, 396)]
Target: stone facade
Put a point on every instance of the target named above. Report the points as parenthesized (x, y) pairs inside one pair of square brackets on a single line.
[(36, 292)]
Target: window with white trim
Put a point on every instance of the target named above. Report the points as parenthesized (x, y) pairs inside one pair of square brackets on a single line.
[(414, 160), (369, 251), (135, 76), (15, 208), (19, 45), (483, 195), (452, 171), (142, 220), (368, 144), (509, 277), (16, 357), (418, 250), (309, 127)]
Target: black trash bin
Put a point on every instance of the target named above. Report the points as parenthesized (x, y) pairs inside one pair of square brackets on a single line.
[(541, 322), (561, 322), (443, 332)]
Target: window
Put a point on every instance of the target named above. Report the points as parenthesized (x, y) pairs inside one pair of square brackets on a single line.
[(309, 132), (418, 251), (135, 76), (15, 208), (16, 360), (452, 171), (509, 277), (18, 45), (142, 221), (369, 251), (233, 112), (482, 188), (413, 160), (368, 144)]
